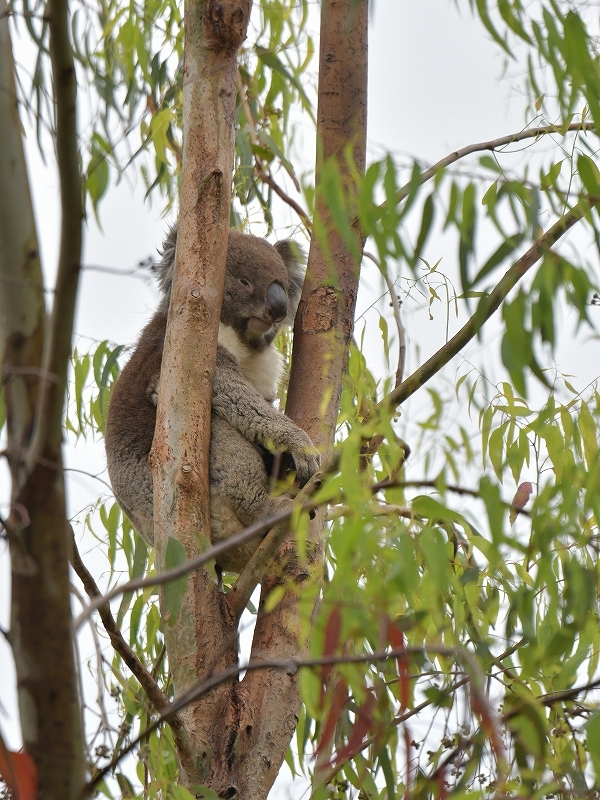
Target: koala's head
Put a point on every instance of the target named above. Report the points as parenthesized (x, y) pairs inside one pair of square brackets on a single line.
[(262, 287), (263, 284)]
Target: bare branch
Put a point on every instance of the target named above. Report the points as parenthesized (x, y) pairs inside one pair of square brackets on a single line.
[(560, 697), (48, 433), (155, 694), (493, 145), (270, 181)]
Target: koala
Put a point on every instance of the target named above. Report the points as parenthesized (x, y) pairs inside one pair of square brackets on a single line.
[(262, 291)]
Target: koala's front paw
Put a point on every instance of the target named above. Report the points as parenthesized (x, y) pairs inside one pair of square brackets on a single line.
[(307, 461), (152, 393)]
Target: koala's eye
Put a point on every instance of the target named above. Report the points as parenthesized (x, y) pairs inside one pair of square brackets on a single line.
[(245, 283)]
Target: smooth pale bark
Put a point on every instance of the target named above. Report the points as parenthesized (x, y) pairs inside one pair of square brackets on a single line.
[(203, 639), (237, 735), (22, 312), (269, 699), (325, 318), (34, 365)]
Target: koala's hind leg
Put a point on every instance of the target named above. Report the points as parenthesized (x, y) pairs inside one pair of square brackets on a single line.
[(239, 491), (131, 480)]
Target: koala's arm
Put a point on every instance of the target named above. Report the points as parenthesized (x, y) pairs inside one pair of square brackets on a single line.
[(246, 410)]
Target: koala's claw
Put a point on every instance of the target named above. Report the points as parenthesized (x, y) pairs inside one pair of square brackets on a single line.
[(307, 463)]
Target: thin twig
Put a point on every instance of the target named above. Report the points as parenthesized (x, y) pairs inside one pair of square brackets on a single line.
[(391, 483), (397, 318), (492, 145), (155, 694), (291, 667), (488, 305)]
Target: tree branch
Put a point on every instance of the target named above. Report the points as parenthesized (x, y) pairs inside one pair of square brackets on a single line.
[(488, 305), (493, 145), (291, 666), (157, 697), (161, 578), (48, 431)]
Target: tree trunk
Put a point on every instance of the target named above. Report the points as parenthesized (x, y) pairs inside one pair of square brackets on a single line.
[(269, 699), (241, 730), (34, 376), (203, 639)]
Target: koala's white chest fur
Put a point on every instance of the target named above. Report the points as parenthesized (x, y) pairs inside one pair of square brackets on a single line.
[(263, 370)]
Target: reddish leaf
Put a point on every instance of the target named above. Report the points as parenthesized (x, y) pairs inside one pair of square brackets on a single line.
[(397, 641), (340, 697), (19, 773), (362, 727), (442, 785), (333, 630), (489, 723), (520, 499)]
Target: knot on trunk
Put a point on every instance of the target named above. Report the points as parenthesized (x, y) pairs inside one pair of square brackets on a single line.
[(226, 23)]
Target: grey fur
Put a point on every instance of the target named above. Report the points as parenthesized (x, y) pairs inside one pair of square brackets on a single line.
[(290, 251), (262, 290)]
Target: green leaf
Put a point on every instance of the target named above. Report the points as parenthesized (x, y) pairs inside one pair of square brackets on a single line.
[(501, 254), (388, 773), (490, 163), (592, 729), (98, 173), (589, 434), (527, 722), (438, 698), (550, 178), (589, 173), (496, 450), (426, 223), (174, 590), (433, 546)]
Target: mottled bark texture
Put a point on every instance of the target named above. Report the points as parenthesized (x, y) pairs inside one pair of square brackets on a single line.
[(241, 730), (35, 358), (203, 639), (269, 699)]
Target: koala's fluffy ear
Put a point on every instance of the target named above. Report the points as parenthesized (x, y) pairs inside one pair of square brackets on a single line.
[(295, 262), (166, 265)]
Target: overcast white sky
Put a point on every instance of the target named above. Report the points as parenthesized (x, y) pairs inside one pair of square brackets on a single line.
[(435, 85)]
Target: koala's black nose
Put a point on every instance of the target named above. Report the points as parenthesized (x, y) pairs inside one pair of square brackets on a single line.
[(276, 305)]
